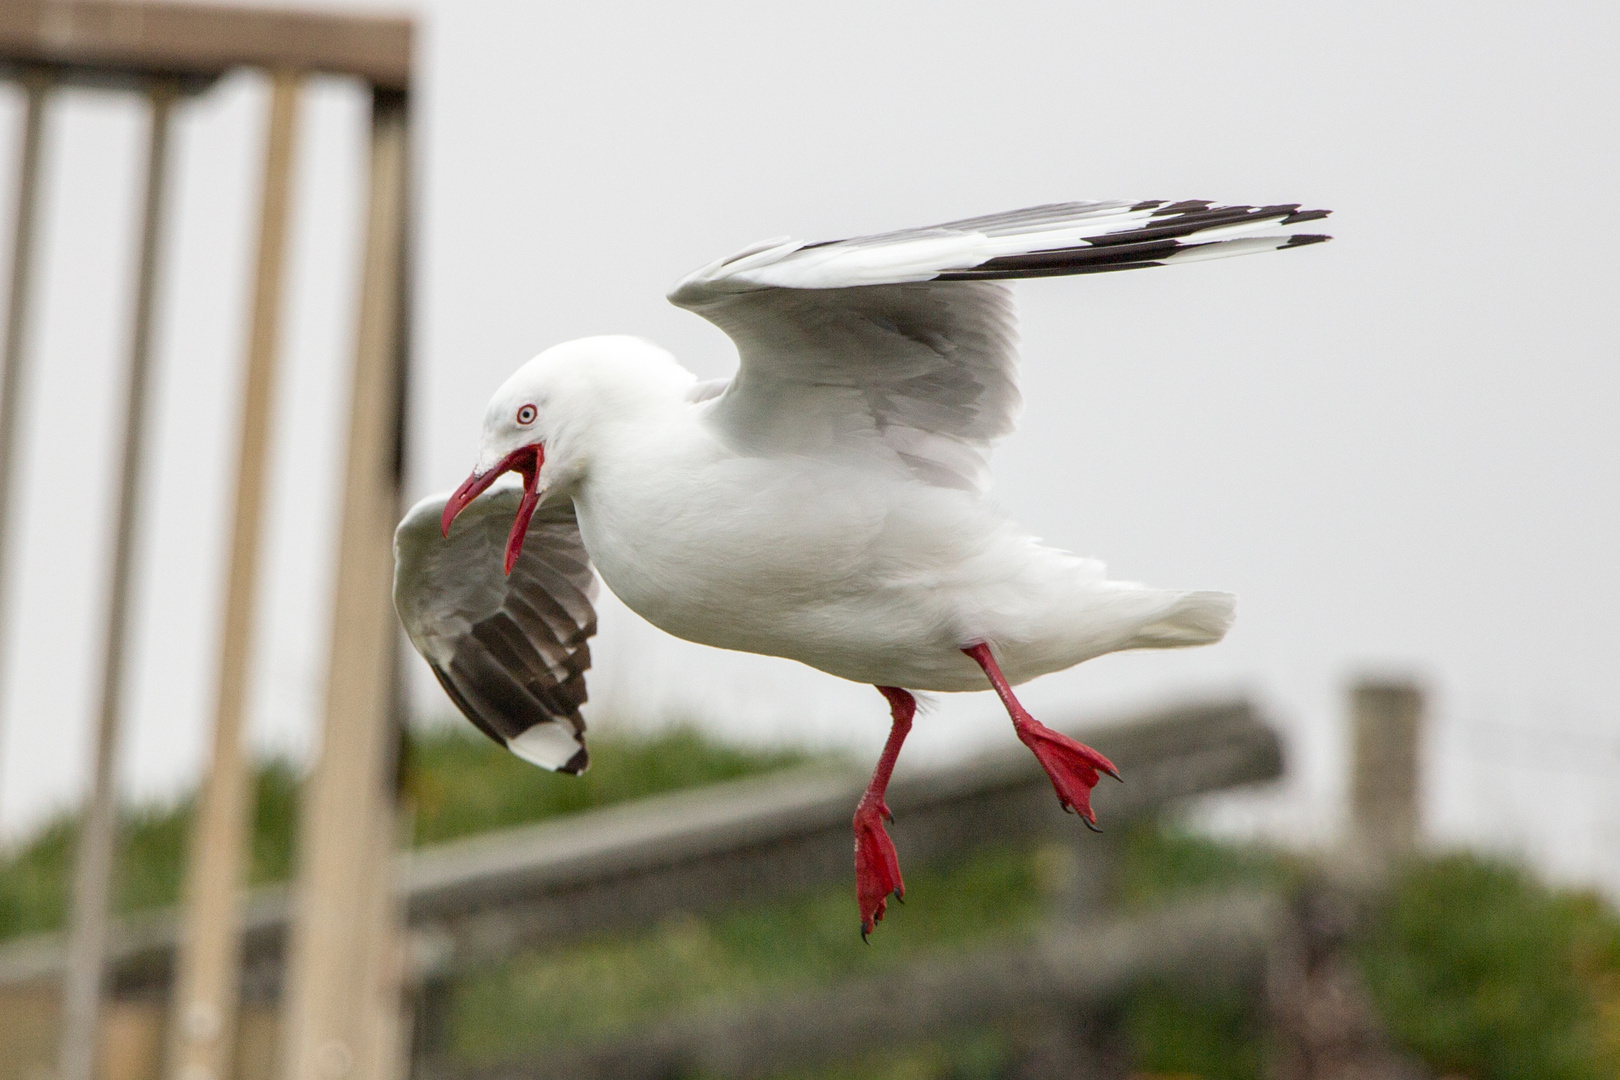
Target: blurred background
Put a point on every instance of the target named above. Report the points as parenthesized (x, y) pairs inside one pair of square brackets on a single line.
[(1400, 449)]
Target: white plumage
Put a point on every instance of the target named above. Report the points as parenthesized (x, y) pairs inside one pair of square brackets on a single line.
[(816, 539), (827, 503)]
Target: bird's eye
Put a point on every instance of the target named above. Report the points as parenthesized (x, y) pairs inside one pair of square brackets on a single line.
[(526, 415)]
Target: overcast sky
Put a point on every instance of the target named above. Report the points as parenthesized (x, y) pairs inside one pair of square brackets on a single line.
[(1400, 448)]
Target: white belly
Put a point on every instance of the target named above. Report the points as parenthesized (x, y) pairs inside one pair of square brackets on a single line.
[(870, 579), (760, 559)]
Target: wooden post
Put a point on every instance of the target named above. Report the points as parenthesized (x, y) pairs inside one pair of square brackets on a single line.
[(14, 357), (205, 992), (341, 1008), (1386, 720), (92, 882)]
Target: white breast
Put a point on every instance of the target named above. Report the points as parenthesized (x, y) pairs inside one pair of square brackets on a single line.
[(817, 561), (864, 572)]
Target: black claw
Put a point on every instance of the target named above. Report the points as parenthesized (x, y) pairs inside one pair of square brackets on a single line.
[(1092, 825), (899, 896), (863, 936)]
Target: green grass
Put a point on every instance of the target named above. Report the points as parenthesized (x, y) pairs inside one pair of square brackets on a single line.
[(34, 878), (1478, 968), (1163, 861), (976, 1054), (1170, 1030), (598, 988), (459, 783), (1487, 973)]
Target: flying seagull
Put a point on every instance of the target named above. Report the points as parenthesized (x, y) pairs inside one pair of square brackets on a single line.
[(826, 504)]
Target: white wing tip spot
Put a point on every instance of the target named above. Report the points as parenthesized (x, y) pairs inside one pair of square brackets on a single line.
[(551, 745)]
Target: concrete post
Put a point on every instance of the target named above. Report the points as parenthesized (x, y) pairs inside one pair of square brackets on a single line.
[(1386, 720)]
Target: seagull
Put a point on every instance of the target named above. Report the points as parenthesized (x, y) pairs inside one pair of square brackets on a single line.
[(827, 503)]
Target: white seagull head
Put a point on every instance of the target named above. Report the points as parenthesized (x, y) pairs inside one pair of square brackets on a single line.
[(539, 423)]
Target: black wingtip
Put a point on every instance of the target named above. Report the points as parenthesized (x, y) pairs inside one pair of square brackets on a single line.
[(576, 764), (1183, 206), (1303, 239)]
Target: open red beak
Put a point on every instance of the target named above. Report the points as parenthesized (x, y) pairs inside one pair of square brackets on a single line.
[(526, 460)]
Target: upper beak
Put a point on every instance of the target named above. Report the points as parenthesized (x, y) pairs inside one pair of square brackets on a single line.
[(526, 460)]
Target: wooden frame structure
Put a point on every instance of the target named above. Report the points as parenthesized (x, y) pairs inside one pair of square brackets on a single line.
[(341, 1013)]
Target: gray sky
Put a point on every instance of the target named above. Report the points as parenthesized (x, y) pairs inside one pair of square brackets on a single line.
[(1400, 448)]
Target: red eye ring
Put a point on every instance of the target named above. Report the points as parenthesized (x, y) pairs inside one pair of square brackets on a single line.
[(526, 415)]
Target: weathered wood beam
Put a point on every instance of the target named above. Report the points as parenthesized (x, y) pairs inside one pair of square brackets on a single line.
[(88, 922), (205, 998), (139, 40), (341, 1008), (713, 847), (709, 849)]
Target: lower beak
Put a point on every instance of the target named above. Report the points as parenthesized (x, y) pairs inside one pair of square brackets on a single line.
[(526, 460)]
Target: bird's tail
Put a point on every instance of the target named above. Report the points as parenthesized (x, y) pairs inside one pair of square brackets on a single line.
[(1191, 618)]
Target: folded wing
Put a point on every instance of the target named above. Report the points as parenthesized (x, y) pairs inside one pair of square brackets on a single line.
[(510, 650), (902, 346)]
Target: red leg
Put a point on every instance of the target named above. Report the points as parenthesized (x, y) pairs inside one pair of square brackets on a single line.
[(1072, 766), (877, 867)]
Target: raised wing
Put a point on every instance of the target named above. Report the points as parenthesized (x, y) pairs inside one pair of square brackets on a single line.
[(511, 650), (901, 345)]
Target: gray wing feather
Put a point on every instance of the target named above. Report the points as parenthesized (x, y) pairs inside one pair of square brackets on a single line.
[(510, 650), (901, 344), (924, 373)]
